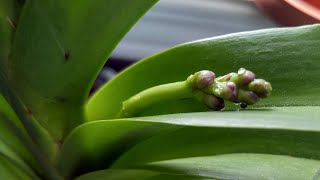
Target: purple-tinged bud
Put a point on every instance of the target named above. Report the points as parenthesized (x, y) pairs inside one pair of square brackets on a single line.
[(234, 91), (226, 77), (201, 79), (261, 87), (247, 97), (210, 101), (205, 79), (225, 90), (214, 103), (245, 76)]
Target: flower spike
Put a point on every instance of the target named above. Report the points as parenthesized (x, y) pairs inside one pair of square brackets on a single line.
[(240, 87)]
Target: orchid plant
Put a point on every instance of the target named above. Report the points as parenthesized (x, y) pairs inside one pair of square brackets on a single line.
[(154, 120)]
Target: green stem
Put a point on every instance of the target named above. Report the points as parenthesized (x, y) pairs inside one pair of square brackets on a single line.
[(141, 101)]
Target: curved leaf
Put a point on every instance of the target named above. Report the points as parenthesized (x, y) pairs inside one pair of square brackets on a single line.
[(11, 136), (133, 142), (9, 113), (9, 160), (40, 144), (13, 133), (97, 145), (286, 57), (124, 174), (275, 131), (56, 56), (39, 139), (242, 167), (10, 171)]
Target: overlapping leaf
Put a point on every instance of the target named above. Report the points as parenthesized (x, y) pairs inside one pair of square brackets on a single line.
[(268, 128), (242, 167), (59, 48), (57, 55), (136, 174), (132, 143)]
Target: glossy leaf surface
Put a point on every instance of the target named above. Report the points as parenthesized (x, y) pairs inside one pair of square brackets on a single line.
[(56, 56), (242, 167), (100, 144), (279, 132), (136, 175), (132, 143)]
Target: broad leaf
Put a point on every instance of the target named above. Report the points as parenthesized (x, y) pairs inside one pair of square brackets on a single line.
[(8, 20), (59, 49), (285, 130), (286, 57), (14, 142), (242, 167), (9, 17), (11, 165), (97, 145), (135, 142), (9, 171), (133, 174), (13, 133)]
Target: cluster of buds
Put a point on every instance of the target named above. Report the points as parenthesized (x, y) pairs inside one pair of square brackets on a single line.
[(241, 87)]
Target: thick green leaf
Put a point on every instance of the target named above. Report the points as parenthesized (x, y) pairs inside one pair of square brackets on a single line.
[(40, 143), (11, 136), (129, 143), (9, 16), (13, 133), (287, 57), (243, 167), (272, 131), (97, 145), (12, 161), (9, 113), (60, 47), (132, 174)]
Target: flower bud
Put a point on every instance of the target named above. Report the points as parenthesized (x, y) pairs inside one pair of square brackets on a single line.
[(224, 90), (245, 77), (261, 87), (201, 79), (235, 78), (226, 77), (211, 101), (214, 103), (247, 97)]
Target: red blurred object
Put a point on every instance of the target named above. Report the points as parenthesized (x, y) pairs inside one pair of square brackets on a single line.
[(291, 12)]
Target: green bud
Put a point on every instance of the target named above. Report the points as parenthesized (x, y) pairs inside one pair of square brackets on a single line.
[(201, 79), (224, 90), (226, 77), (245, 77), (235, 78), (261, 87), (247, 97)]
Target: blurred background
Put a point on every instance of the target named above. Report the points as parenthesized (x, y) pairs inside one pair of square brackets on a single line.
[(172, 22)]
